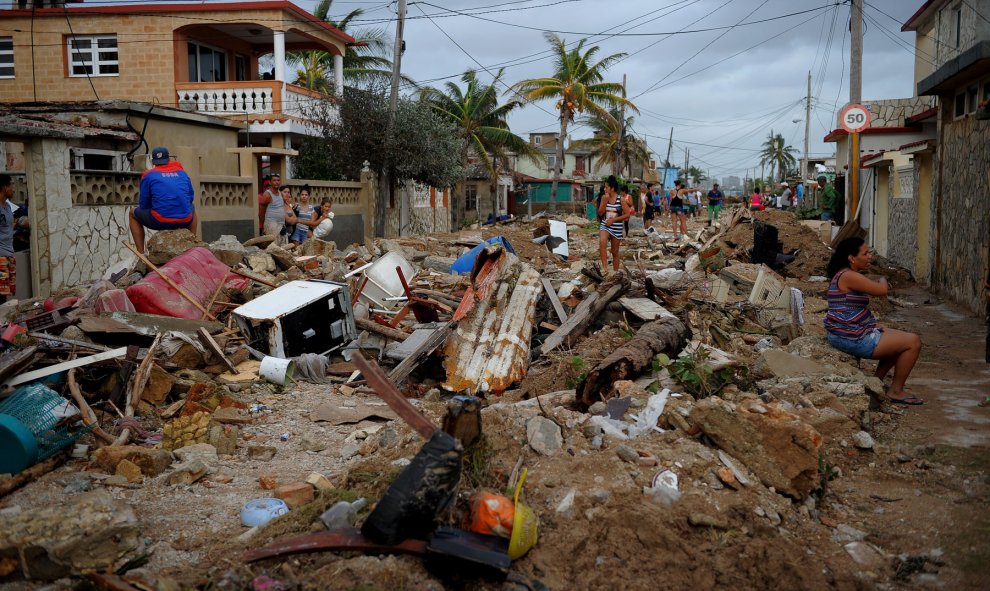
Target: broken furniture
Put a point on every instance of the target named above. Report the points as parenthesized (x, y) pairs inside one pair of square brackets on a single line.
[(308, 316), (380, 283)]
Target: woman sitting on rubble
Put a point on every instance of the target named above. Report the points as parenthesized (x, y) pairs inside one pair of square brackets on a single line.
[(851, 326)]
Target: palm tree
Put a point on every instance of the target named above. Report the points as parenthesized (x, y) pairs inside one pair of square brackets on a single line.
[(613, 143), (778, 155), (696, 175), (474, 109), (577, 83), (365, 63)]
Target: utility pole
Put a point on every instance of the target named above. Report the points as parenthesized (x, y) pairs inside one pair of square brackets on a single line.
[(622, 133), (666, 161), (392, 108), (807, 131), (855, 96)]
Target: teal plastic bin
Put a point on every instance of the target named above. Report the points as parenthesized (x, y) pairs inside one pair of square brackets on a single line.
[(35, 423)]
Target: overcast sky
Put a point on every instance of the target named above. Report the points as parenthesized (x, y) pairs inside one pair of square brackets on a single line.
[(726, 87)]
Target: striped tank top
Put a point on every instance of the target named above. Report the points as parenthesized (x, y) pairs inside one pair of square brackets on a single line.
[(848, 316), (612, 211)]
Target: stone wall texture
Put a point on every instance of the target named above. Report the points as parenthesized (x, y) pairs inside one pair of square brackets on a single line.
[(902, 236), (973, 28), (961, 211), (893, 112)]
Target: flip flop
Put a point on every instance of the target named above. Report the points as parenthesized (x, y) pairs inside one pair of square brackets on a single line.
[(909, 399)]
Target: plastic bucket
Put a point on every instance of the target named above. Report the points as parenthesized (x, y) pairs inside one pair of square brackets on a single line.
[(277, 370)]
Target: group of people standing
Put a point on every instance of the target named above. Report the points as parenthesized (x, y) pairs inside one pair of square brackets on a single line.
[(614, 206), (279, 215), (759, 200)]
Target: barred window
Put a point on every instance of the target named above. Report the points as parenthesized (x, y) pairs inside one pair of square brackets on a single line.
[(471, 197), (93, 55), (6, 57)]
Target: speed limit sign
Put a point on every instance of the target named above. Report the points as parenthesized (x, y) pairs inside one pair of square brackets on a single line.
[(854, 118)]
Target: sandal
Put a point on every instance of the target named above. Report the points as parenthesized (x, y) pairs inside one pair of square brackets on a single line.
[(909, 399)]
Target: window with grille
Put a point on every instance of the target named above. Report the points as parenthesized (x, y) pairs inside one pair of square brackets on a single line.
[(93, 55), (6, 57), (471, 197)]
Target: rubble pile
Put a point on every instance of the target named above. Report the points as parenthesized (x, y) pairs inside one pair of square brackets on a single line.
[(680, 413)]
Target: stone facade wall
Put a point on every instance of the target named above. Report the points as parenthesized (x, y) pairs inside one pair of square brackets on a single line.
[(893, 112), (902, 237), (961, 211), (972, 28)]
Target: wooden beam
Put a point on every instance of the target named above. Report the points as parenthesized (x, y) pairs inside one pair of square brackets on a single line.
[(586, 312), (387, 332), (204, 337), (54, 369), (554, 300), (36, 471), (407, 365)]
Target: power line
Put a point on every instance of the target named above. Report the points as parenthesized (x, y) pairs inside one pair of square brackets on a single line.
[(703, 47), (586, 34)]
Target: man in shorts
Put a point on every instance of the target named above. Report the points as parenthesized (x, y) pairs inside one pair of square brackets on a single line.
[(714, 204), (165, 201)]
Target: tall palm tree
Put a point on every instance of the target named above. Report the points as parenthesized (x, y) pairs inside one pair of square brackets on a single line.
[(778, 155), (475, 110), (613, 143), (578, 85), (366, 63)]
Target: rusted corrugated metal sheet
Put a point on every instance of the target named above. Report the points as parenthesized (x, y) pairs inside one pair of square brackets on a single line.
[(489, 351)]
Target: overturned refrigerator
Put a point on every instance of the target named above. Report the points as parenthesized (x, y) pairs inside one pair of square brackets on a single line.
[(309, 316)]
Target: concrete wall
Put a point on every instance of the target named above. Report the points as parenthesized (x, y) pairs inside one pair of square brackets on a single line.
[(923, 194), (429, 211), (961, 210)]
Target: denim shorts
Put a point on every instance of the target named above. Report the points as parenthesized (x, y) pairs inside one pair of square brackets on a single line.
[(677, 209), (862, 347)]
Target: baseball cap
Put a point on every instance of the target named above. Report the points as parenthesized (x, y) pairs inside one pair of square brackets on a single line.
[(159, 155)]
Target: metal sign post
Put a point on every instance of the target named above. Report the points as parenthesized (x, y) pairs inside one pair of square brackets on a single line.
[(854, 119)]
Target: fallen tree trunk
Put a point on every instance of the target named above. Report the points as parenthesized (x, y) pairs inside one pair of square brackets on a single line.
[(667, 335), (586, 312)]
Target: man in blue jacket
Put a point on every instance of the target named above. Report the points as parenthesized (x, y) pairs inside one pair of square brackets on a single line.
[(166, 199)]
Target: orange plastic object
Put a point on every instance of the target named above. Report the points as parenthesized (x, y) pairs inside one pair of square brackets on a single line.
[(491, 514)]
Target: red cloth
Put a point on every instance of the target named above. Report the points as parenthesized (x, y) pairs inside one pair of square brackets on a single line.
[(197, 271)]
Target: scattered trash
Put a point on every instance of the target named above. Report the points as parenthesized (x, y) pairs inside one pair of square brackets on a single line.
[(258, 512), (276, 370)]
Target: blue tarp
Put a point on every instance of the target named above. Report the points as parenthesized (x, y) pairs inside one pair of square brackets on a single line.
[(465, 263)]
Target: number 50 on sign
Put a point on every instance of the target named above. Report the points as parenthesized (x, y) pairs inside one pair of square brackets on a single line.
[(854, 118)]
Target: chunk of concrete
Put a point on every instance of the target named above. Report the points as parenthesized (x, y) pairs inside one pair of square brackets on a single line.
[(544, 436), (152, 462), (168, 244), (777, 446), (89, 532), (228, 249)]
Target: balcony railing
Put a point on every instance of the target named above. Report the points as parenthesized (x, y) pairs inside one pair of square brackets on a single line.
[(253, 97)]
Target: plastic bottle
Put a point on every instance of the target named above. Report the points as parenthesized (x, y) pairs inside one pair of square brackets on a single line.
[(342, 514)]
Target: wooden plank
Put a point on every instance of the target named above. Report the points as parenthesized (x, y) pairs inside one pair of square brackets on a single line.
[(36, 471), (58, 367), (401, 371), (386, 331), (586, 312), (204, 337), (390, 394), (57, 339), (548, 326), (644, 308), (554, 300)]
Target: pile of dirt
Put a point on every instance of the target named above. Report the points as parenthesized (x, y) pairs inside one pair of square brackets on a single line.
[(812, 258)]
